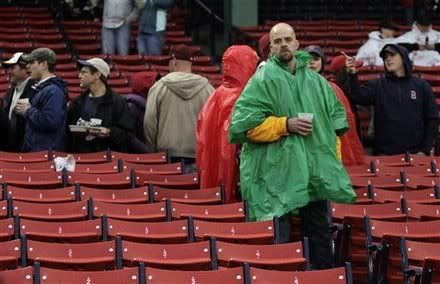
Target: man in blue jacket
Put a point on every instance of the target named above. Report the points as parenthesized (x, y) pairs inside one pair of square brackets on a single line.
[(405, 112), (152, 25), (45, 113)]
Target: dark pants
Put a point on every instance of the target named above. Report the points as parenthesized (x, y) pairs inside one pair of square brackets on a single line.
[(315, 225)]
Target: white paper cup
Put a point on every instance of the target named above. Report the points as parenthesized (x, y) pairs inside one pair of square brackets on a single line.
[(23, 100), (306, 115)]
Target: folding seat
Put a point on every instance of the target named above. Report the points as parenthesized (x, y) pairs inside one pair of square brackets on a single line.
[(161, 69), (192, 256), (289, 256), (340, 275), (99, 168), (204, 196), (159, 169), (118, 83), (427, 69), (178, 40), (157, 59), (63, 232), (104, 57), (367, 170), (423, 212), (311, 35), (67, 66), (4, 209), (188, 181), (72, 81), (51, 211), (84, 39), (354, 43), (386, 182), (39, 167), (202, 61), (363, 195), (425, 182), (89, 256), (10, 254), (19, 275), (413, 257), (402, 160), (389, 211), (7, 230), (12, 23), (47, 38), (68, 74), (423, 196), (133, 68), (232, 212), (206, 69), (433, 80), (123, 196), (24, 179), (73, 24), (230, 276), (130, 212), (134, 59), (126, 276), (119, 180), (33, 157), (17, 38), (36, 195), (90, 48), (431, 270), (353, 35), (47, 31), (262, 232), (387, 264), (151, 232), (86, 158), (422, 171)]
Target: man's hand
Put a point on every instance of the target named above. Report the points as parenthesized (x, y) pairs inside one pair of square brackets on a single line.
[(100, 132), (349, 63), (22, 106), (301, 126)]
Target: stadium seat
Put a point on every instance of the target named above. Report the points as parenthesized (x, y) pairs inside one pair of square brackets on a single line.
[(85, 158), (33, 179), (130, 212), (203, 196), (151, 232), (119, 180), (151, 158), (10, 254), (72, 211), (19, 275), (39, 167), (32, 157), (8, 230), (172, 181), (290, 256), (159, 169), (230, 276), (36, 195), (123, 196), (232, 212), (192, 256)]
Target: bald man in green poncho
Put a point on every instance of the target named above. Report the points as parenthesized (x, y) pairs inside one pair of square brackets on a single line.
[(287, 119)]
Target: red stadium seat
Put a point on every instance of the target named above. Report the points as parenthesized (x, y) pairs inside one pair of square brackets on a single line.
[(233, 212), (7, 230), (172, 181), (130, 212), (230, 276), (159, 169), (10, 254), (51, 211), (197, 197), (36, 195), (19, 275), (123, 196)]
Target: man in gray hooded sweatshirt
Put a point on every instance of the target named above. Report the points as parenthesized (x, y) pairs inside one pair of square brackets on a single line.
[(173, 105)]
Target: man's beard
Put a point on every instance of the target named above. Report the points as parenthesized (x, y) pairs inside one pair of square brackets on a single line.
[(285, 57)]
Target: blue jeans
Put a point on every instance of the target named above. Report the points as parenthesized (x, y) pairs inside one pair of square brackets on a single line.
[(116, 39), (150, 44)]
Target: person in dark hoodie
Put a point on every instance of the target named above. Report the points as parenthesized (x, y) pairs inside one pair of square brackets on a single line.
[(99, 101), (45, 113), (20, 89), (406, 115), (173, 104)]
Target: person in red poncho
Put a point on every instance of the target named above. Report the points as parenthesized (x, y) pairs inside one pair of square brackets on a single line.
[(216, 158), (352, 151)]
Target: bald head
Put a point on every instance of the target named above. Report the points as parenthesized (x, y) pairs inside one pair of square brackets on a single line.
[(283, 43)]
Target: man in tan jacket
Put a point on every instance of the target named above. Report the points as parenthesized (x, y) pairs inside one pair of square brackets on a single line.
[(173, 105)]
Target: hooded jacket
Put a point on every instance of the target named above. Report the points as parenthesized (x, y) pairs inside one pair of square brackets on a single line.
[(216, 158), (173, 104), (114, 113), (46, 118), (369, 51), (405, 112)]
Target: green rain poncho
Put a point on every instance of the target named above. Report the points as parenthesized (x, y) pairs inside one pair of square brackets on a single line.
[(280, 177)]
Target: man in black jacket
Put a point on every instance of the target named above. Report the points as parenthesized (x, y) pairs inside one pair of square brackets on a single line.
[(21, 89), (406, 115), (100, 102)]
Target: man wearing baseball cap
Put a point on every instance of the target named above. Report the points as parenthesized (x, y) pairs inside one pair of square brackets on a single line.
[(173, 104), (20, 89), (405, 112), (45, 113), (99, 101)]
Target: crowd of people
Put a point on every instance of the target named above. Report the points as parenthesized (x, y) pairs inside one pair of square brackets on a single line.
[(275, 124)]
